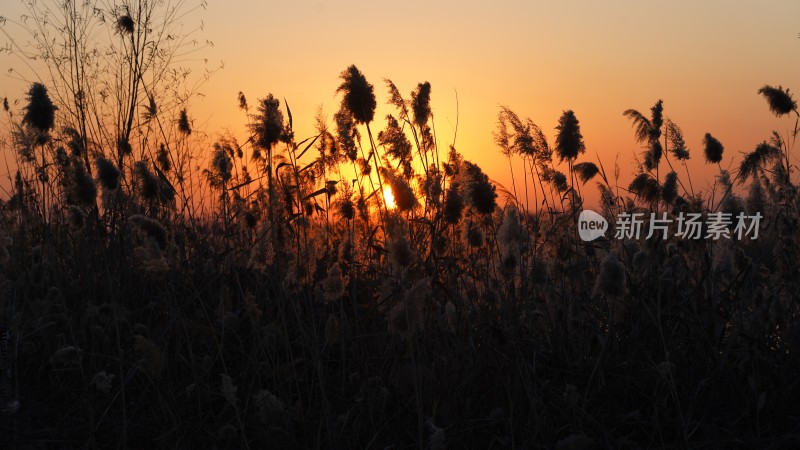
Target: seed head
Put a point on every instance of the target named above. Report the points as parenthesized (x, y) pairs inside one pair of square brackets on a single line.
[(107, 172), (713, 149), (152, 228), (83, 189), (473, 235), (346, 208), (400, 252), (646, 187), (569, 141), (222, 162), (346, 133), (364, 167), (479, 191), (359, 95), (149, 183), (125, 24), (163, 158), (780, 100), (421, 103), (183, 123), (403, 194), (395, 140), (453, 204), (40, 113), (267, 125), (755, 160), (611, 280), (669, 191), (586, 171)]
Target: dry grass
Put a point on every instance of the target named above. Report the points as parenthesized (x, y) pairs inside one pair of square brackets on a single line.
[(293, 308)]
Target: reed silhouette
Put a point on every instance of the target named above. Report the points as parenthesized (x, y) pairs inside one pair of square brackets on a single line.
[(266, 294)]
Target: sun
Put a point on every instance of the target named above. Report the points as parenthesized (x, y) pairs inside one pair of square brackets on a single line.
[(388, 196)]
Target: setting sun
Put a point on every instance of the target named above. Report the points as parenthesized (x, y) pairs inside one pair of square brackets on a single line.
[(388, 196)]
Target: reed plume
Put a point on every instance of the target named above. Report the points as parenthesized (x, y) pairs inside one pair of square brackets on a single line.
[(779, 99), (713, 149), (359, 95)]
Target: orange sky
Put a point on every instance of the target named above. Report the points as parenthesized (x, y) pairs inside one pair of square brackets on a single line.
[(706, 60)]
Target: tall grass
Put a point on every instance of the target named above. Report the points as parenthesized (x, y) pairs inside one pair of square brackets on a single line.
[(297, 308)]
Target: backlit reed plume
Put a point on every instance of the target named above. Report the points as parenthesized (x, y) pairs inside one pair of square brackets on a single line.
[(223, 166), (556, 178), (404, 196), (345, 208), (713, 149), (151, 111), (242, 101), (677, 144), (611, 279), (364, 167), (107, 172), (421, 103), (267, 125), (480, 193), (359, 95), (125, 24), (432, 185), (780, 100), (152, 187), (152, 228), (396, 98), (503, 136), (669, 190), (397, 144), (453, 204), (510, 231), (645, 187), (74, 141), (40, 112), (648, 132), (183, 123), (162, 156), (586, 171), (400, 253), (473, 235), (124, 146), (83, 190), (754, 161), (346, 133), (569, 141)]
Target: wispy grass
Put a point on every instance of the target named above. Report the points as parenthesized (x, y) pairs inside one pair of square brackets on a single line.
[(293, 307)]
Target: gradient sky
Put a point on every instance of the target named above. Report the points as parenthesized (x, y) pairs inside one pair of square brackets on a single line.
[(706, 60)]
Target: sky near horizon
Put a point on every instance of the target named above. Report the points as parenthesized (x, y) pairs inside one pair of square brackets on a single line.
[(706, 60)]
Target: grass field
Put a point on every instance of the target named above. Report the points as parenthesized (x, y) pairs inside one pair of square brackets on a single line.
[(364, 288)]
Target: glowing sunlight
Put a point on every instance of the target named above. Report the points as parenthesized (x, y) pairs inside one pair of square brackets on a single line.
[(388, 196)]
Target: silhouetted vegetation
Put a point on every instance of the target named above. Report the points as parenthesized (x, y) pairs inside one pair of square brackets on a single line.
[(276, 297)]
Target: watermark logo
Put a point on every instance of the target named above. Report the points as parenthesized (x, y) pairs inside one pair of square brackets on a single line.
[(714, 226), (591, 225)]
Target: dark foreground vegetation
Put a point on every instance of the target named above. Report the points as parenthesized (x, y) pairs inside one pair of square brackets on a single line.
[(165, 293)]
